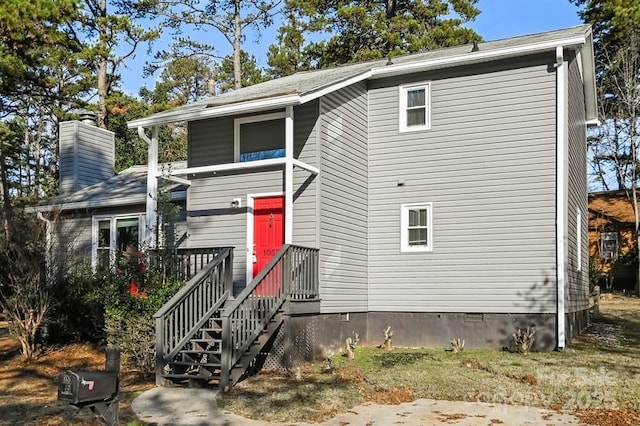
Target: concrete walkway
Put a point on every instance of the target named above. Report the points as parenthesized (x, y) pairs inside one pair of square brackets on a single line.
[(180, 406)]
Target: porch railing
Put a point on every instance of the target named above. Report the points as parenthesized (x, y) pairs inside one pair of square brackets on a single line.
[(183, 263), (291, 273), (186, 312)]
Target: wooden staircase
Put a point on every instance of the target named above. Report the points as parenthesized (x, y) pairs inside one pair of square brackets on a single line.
[(204, 336)]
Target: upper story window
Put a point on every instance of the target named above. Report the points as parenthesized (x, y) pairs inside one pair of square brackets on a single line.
[(114, 236), (416, 230), (609, 245), (259, 137), (415, 107)]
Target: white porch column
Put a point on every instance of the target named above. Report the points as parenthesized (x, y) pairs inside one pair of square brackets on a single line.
[(288, 175), (152, 186)]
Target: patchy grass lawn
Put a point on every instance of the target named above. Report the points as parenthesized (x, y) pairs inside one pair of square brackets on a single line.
[(598, 377), (28, 392)]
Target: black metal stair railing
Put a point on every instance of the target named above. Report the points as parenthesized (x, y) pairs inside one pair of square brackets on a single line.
[(189, 309), (291, 273)]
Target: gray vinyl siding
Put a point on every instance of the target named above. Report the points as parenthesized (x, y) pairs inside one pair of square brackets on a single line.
[(71, 239), (211, 140), (211, 221), (488, 166), (343, 223), (577, 294), (305, 184), (87, 155)]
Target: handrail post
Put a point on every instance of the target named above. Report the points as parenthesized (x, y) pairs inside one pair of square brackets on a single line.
[(229, 273), (225, 360), (160, 350)]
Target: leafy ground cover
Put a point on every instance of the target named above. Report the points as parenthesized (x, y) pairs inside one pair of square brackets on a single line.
[(28, 392), (598, 378)]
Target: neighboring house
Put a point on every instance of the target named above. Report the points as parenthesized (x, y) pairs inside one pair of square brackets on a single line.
[(442, 194), (611, 231)]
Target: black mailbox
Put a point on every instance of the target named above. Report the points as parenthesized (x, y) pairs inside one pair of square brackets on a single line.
[(95, 390), (86, 387)]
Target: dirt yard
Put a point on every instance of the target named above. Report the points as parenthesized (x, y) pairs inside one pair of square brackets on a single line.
[(28, 392)]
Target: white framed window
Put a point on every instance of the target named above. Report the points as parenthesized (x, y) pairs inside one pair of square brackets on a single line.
[(259, 137), (416, 227), (609, 245), (113, 235), (415, 107)]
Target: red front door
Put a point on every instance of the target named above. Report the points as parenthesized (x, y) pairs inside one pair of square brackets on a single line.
[(268, 230)]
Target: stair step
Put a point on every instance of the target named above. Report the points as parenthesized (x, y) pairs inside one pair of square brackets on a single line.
[(186, 376), (207, 341), (198, 352), (187, 363), (211, 330)]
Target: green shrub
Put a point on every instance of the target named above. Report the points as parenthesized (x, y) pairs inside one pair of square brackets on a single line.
[(131, 296)]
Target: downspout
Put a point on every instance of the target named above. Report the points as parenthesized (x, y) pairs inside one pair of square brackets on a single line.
[(152, 185), (562, 138)]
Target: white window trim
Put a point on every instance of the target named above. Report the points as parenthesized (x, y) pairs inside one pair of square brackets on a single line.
[(404, 224), (112, 232), (402, 112), (251, 119)]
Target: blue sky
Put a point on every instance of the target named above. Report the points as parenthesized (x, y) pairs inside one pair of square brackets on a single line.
[(499, 19)]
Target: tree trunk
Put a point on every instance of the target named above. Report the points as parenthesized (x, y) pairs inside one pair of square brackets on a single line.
[(101, 69), (237, 46), (7, 211)]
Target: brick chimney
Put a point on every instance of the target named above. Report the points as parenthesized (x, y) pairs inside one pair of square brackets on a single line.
[(87, 154)]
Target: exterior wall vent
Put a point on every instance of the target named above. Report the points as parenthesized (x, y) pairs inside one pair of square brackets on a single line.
[(474, 317)]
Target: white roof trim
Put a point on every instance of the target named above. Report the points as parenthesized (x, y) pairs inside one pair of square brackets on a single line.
[(337, 86), (81, 205), (192, 114), (479, 56), (198, 112)]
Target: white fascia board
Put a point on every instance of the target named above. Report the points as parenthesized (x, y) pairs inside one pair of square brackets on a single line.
[(175, 179), (228, 167), (332, 88), (587, 57), (192, 114), (473, 57), (248, 165), (304, 166), (82, 205)]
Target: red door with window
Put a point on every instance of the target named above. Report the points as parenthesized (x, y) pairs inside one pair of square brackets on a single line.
[(268, 230)]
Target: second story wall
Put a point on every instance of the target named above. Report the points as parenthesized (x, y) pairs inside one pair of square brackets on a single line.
[(487, 166), (344, 199), (577, 294)]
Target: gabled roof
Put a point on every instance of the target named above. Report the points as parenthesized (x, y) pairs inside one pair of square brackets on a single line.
[(305, 86), (129, 187)]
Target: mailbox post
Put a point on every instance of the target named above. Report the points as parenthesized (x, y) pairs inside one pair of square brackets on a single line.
[(96, 390)]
